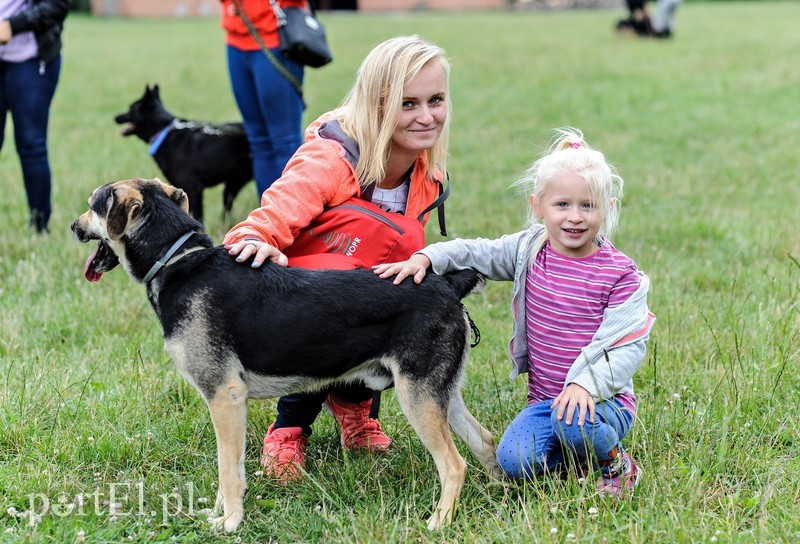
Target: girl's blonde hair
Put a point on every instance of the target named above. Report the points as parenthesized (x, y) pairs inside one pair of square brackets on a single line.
[(568, 152), (371, 107)]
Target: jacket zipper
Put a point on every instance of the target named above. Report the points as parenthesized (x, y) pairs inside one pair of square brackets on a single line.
[(375, 215)]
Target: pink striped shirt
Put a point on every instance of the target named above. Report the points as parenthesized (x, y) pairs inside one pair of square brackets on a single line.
[(565, 299)]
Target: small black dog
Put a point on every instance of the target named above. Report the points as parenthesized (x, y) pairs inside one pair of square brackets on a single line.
[(193, 155), (236, 332)]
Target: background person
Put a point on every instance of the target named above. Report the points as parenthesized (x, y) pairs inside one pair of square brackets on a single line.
[(30, 63), (271, 108), (387, 142), (580, 316)]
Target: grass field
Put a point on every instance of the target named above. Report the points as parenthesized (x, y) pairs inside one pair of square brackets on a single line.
[(102, 440)]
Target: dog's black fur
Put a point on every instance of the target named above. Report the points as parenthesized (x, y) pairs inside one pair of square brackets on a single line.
[(194, 155), (237, 332)]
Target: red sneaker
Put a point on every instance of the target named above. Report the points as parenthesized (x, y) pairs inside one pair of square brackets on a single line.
[(620, 484), (359, 431), (284, 454)]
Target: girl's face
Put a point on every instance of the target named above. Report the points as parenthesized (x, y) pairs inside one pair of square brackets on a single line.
[(423, 112), (570, 215)]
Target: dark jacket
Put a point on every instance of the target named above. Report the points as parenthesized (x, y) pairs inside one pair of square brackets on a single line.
[(46, 19)]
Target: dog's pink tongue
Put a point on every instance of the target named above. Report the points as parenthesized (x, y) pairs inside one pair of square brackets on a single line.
[(89, 272)]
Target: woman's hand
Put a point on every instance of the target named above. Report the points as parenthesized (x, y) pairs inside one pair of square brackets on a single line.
[(5, 32), (261, 252), (416, 266), (571, 398)]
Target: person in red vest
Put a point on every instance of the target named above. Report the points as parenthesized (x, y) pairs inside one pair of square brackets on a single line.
[(387, 144)]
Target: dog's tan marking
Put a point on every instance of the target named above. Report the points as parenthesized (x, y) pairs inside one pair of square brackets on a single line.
[(477, 438), (228, 409), (429, 420), (125, 204)]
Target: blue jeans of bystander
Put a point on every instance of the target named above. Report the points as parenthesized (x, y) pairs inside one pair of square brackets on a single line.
[(26, 91), (271, 109)]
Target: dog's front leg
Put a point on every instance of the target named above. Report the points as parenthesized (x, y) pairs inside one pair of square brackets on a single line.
[(228, 409)]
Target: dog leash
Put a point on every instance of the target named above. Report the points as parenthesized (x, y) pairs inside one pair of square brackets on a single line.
[(476, 333), (167, 256)]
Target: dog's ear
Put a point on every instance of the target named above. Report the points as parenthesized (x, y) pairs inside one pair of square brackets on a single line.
[(125, 204), (176, 195), (155, 91)]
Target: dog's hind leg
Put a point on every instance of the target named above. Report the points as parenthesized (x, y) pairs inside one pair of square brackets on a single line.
[(428, 417), (228, 409), (475, 436)]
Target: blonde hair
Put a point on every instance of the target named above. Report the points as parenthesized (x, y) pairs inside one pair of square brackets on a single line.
[(568, 152), (370, 109)]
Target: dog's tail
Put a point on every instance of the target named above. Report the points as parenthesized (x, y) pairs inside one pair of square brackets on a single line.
[(466, 282)]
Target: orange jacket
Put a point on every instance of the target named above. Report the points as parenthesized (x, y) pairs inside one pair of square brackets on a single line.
[(263, 18), (319, 175)]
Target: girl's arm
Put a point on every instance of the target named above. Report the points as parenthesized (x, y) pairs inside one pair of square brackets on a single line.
[(495, 259), (617, 351)]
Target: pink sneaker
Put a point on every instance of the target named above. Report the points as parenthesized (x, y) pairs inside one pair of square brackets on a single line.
[(284, 454), (359, 431), (622, 484)]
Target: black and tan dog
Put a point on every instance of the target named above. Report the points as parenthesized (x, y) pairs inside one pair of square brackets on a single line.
[(192, 155), (237, 332)]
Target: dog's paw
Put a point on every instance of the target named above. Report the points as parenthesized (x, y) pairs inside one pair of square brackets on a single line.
[(226, 523), (436, 522)]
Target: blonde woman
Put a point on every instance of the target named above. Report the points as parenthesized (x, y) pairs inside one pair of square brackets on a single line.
[(386, 143)]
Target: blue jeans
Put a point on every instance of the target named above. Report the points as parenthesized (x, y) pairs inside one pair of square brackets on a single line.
[(536, 441), (27, 92), (271, 109)]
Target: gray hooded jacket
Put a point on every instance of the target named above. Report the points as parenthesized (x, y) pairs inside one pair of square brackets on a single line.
[(607, 364)]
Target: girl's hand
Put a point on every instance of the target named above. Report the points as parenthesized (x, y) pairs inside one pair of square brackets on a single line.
[(262, 251), (571, 398), (416, 266)]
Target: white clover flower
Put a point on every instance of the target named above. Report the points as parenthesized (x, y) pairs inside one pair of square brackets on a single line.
[(90, 439), (11, 511), (81, 537), (553, 530), (593, 511), (258, 473), (9, 530), (570, 536)]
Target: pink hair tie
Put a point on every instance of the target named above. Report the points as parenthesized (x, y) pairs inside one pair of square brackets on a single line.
[(575, 145)]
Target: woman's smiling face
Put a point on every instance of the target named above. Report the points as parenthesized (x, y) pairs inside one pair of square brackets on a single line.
[(423, 111)]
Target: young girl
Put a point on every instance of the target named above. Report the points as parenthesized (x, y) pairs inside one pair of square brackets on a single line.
[(581, 320)]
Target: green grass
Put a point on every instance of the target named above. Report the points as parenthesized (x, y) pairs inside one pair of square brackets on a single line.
[(705, 130)]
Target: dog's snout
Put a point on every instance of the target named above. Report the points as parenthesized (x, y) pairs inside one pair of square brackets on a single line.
[(79, 231)]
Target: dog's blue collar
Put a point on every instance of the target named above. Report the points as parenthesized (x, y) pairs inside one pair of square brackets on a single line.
[(167, 256), (158, 139)]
